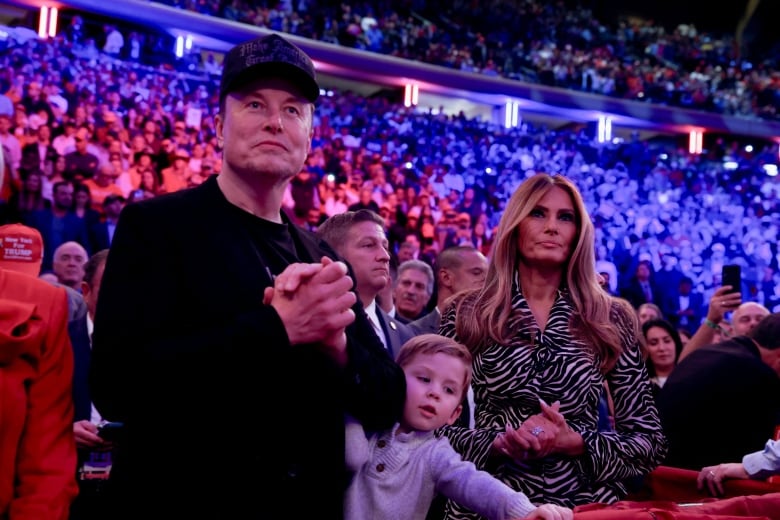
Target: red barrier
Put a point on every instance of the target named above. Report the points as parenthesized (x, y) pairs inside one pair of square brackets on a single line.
[(671, 493), (754, 507), (679, 485)]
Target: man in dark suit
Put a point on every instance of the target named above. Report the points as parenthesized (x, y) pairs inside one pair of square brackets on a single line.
[(360, 238), (457, 268), (641, 288), (59, 224), (365, 201), (723, 400), (228, 340), (94, 454), (39, 154), (685, 307)]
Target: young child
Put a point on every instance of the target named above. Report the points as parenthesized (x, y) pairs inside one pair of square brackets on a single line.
[(398, 472)]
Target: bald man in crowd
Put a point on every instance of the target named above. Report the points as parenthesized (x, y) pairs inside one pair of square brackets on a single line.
[(746, 316), (81, 164), (457, 268)]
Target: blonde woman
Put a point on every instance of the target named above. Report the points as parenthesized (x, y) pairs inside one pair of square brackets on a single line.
[(542, 330), (647, 312)]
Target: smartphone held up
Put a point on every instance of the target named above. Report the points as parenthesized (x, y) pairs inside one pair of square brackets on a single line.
[(732, 275)]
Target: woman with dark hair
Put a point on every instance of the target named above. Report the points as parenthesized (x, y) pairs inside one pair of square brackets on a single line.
[(150, 184), (542, 330), (82, 207), (481, 235), (29, 198), (82, 203), (663, 346), (426, 226)]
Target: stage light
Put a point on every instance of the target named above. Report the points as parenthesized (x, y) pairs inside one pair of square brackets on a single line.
[(179, 51), (511, 114), (53, 14), (43, 22), (604, 129), (411, 94), (695, 139)]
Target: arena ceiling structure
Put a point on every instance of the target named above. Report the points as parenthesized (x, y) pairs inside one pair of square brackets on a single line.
[(369, 74)]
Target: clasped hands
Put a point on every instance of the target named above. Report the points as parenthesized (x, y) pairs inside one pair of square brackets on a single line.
[(314, 302), (539, 435)]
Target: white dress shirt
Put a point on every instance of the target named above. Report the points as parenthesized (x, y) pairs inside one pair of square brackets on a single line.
[(95, 417), (374, 319)]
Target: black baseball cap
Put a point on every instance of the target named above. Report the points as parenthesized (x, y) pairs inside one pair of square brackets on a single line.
[(268, 56)]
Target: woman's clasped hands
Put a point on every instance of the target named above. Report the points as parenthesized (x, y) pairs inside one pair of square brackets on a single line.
[(537, 437)]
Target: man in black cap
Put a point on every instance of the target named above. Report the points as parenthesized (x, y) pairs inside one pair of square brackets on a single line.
[(228, 341)]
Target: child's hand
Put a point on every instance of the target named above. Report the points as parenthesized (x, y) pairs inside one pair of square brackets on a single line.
[(551, 512)]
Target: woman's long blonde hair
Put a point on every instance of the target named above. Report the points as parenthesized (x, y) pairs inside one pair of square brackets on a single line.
[(483, 315)]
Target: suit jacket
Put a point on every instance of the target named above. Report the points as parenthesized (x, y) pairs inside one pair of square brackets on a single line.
[(73, 229), (428, 324), (222, 415), (396, 333), (31, 156), (719, 403), (634, 294), (695, 304), (38, 454), (82, 352)]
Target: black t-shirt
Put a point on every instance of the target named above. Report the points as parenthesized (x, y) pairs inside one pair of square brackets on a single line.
[(77, 163), (276, 245)]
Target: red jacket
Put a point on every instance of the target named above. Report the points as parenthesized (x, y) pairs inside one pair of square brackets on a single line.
[(37, 448)]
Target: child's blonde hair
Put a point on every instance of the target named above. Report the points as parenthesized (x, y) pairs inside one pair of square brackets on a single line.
[(434, 344)]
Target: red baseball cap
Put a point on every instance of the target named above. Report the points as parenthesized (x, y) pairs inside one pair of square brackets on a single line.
[(21, 249)]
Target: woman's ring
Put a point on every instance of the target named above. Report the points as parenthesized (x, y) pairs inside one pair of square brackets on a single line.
[(536, 430), (711, 474)]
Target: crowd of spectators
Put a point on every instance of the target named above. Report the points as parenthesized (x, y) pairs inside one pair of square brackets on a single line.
[(550, 43), (89, 133), (87, 128)]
